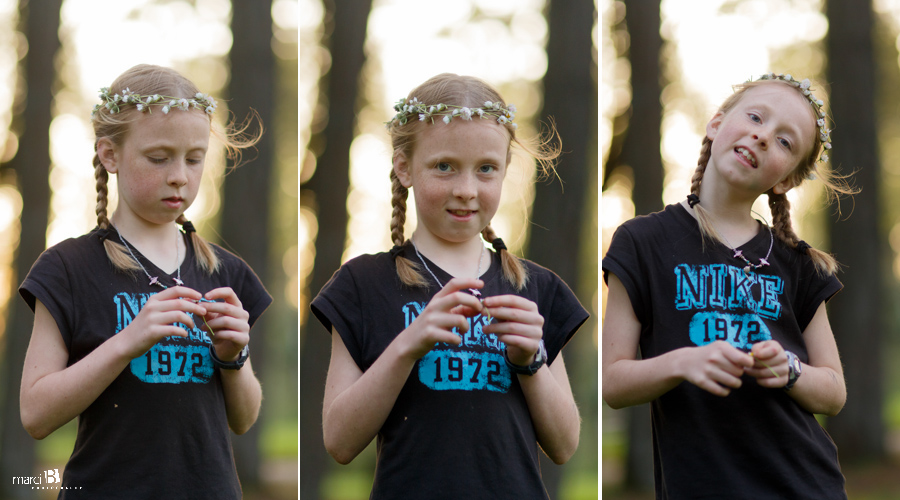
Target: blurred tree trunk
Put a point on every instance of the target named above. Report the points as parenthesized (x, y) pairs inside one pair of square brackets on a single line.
[(247, 190), (326, 192), (857, 313), (32, 170), (570, 97), (641, 152)]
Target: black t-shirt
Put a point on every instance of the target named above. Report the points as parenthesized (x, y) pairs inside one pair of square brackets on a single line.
[(159, 430), (756, 442), (460, 427)]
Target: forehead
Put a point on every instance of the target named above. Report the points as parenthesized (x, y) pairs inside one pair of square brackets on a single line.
[(177, 125), (781, 98), (478, 132)]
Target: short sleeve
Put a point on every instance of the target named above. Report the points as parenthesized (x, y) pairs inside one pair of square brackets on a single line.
[(337, 306), (49, 281), (623, 260), (563, 318), (814, 290), (254, 297)]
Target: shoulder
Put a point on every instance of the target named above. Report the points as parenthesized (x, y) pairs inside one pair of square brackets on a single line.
[(86, 246), (673, 218)]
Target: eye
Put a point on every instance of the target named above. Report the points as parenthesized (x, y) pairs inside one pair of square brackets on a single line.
[(486, 169), (195, 161), (154, 159), (443, 167), (755, 117), (784, 142)]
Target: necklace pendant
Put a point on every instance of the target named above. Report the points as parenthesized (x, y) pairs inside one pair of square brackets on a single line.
[(747, 270), (738, 254), (763, 262), (178, 281), (154, 280), (475, 292)]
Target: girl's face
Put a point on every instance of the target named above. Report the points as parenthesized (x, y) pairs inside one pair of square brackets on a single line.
[(759, 143), (159, 164), (456, 171)]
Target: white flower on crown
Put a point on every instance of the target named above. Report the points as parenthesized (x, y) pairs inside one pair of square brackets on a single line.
[(412, 107)]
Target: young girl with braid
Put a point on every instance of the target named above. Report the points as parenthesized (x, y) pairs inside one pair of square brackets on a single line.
[(141, 329), (728, 313), (447, 352)]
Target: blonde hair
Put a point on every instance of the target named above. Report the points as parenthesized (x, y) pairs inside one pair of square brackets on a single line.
[(148, 80), (456, 90), (782, 227)]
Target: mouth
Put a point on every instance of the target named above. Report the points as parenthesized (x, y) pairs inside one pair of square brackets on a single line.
[(174, 201), (747, 155), (462, 213)]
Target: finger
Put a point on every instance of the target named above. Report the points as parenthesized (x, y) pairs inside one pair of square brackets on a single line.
[(226, 294), (510, 301), (457, 284), (176, 292)]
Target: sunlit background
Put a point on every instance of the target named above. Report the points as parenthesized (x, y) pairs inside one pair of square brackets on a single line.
[(99, 40), (708, 47)]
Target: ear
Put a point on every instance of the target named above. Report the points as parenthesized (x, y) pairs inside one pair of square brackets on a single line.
[(106, 151), (402, 169), (785, 185), (712, 128)]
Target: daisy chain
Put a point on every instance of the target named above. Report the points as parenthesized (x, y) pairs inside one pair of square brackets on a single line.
[(413, 108), (143, 103)]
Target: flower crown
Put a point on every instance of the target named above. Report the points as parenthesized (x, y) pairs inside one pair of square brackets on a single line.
[(143, 102), (824, 132), (413, 107)]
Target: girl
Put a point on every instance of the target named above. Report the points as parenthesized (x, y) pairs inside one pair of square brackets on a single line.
[(447, 352), (141, 330), (729, 312)]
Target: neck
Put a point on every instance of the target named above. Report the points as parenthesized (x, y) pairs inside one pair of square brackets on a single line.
[(160, 243), (458, 259)]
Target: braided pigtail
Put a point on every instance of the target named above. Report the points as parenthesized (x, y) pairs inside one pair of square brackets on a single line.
[(407, 270), (116, 252), (205, 254), (784, 230), (704, 221), (513, 270)]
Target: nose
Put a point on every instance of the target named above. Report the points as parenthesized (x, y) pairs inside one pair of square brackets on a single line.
[(178, 174), (466, 186), (762, 138)]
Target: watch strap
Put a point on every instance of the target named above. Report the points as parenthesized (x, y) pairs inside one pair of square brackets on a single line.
[(230, 365), (540, 359)]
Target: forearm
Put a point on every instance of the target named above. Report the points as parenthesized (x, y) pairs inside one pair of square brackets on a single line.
[(243, 397), (354, 417), (630, 382), (49, 402), (820, 389), (554, 414)]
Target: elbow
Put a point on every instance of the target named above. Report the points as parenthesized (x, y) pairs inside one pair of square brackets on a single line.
[(33, 426), (563, 455), (341, 455)]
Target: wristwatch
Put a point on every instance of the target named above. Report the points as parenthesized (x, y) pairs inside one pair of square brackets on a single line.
[(794, 370), (230, 365), (540, 359)]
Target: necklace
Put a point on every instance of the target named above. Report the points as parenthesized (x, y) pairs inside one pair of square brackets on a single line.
[(739, 254), (154, 280), (474, 291)]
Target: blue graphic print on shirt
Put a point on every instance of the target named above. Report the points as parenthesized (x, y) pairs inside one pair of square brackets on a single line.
[(174, 359), (477, 364), (731, 305)]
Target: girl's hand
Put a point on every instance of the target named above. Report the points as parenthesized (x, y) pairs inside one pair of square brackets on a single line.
[(228, 321), (716, 367), (159, 317), (519, 325), (769, 357), (447, 310)]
